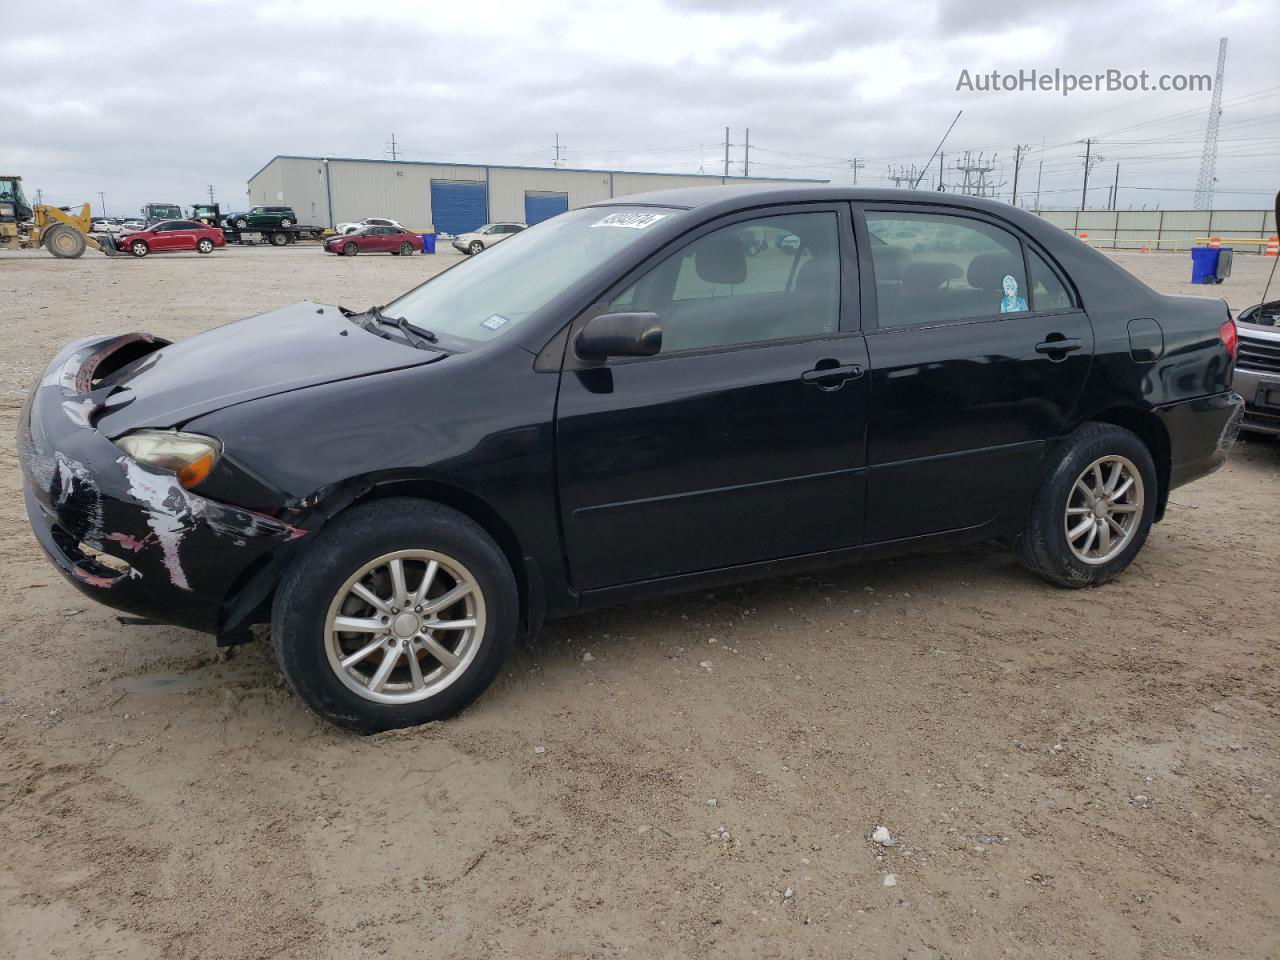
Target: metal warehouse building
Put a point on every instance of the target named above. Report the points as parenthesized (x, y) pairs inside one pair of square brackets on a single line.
[(452, 197)]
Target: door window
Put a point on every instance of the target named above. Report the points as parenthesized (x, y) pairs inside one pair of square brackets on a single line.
[(931, 268), (1047, 291), (773, 278)]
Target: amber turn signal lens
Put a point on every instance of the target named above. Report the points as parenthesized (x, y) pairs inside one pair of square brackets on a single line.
[(195, 471)]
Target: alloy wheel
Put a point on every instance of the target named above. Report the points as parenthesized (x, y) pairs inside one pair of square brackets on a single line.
[(1104, 509), (405, 626)]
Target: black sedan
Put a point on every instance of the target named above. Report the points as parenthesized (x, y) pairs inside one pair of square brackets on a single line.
[(654, 394)]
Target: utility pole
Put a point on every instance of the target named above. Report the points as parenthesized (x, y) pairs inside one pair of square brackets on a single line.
[(391, 147), (726, 151), (102, 197), (1089, 161), (1017, 165), (560, 150), (39, 196), (942, 186), (855, 165), (1209, 155), (746, 153), (211, 193), (1115, 190), (1040, 175)]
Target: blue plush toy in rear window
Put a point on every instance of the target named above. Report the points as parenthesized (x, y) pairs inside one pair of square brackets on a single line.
[(1011, 302)]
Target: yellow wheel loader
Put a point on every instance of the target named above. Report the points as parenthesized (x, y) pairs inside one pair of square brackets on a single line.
[(63, 234)]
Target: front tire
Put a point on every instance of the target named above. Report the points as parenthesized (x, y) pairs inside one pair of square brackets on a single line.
[(139, 248), (64, 242), (476, 247), (1094, 510), (241, 223), (350, 248), (401, 612), (279, 239)]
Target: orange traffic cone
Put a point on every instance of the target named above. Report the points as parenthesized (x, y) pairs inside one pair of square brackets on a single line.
[(1215, 243), (1084, 237), (1144, 249), (1273, 247)]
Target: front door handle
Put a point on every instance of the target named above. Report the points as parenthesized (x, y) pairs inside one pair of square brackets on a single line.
[(830, 374)]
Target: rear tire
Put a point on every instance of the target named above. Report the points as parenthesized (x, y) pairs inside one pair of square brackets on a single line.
[(1093, 510), (64, 242), (406, 250), (378, 689), (204, 245), (279, 239)]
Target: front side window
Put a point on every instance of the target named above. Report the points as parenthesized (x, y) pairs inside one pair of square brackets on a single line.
[(774, 278), (931, 268), (483, 298)]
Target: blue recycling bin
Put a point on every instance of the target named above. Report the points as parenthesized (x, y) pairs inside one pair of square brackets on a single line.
[(428, 243), (1204, 264)]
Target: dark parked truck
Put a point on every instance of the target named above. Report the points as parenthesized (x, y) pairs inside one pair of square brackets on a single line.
[(155, 212), (277, 225), (662, 393)]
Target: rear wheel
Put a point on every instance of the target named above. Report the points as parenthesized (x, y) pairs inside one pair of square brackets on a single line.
[(406, 250), (204, 245), (64, 242), (350, 248), (1093, 512), (279, 239), (401, 612)]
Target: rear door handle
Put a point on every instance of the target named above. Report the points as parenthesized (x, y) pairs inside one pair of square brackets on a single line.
[(1059, 345), (827, 375)]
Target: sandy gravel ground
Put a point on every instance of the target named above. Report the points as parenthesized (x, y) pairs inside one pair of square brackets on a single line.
[(1067, 774)]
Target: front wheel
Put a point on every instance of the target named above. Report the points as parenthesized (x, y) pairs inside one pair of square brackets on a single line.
[(241, 222), (205, 245), (476, 247), (139, 249), (279, 239), (350, 248), (286, 222), (401, 612), (1094, 510)]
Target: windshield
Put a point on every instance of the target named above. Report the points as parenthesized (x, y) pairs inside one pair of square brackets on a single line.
[(492, 293)]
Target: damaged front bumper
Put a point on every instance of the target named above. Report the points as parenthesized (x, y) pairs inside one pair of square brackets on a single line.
[(126, 534)]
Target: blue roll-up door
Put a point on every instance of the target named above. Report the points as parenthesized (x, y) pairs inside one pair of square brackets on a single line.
[(542, 205), (458, 206)]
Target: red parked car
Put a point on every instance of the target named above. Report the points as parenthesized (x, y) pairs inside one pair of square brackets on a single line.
[(393, 240), (170, 235)]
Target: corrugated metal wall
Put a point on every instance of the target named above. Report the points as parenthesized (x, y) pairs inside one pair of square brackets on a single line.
[(402, 191), (1166, 229)]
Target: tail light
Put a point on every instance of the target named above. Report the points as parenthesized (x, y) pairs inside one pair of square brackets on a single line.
[(1230, 339)]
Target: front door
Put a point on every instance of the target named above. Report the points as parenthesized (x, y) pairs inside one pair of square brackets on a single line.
[(972, 374), (743, 440)]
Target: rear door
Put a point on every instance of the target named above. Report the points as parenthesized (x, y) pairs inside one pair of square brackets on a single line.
[(971, 377), (743, 440)]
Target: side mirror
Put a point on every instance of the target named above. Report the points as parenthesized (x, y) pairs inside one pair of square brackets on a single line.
[(620, 335)]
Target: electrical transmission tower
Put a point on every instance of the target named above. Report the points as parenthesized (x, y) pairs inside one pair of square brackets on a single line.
[(560, 150), (900, 175), (976, 174), (1209, 156)]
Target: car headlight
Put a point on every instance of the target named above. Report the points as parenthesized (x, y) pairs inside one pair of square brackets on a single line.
[(189, 455)]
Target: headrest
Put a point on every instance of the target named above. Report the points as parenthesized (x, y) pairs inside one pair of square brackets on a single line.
[(929, 276), (988, 270), (720, 258)]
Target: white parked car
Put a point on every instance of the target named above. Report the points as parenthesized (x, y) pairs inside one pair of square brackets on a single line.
[(367, 222), (112, 227), (477, 240)]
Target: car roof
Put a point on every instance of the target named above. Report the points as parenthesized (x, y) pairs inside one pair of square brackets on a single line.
[(749, 195)]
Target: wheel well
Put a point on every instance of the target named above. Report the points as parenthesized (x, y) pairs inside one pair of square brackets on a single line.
[(1151, 432), (474, 508)]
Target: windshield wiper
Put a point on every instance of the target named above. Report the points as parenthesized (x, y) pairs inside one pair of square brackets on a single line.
[(404, 326), (372, 318)]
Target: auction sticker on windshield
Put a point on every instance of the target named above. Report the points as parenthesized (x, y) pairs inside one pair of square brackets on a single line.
[(633, 220)]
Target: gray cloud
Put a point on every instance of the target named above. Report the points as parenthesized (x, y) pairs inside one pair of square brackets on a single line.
[(160, 103)]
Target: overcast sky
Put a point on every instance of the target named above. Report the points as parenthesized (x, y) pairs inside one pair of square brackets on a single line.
[(155, 101)]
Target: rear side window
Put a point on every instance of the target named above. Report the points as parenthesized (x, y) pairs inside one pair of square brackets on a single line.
[(931, 268), (1047, 291)]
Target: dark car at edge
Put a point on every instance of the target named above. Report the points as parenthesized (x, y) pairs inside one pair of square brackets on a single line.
[(654, 394)]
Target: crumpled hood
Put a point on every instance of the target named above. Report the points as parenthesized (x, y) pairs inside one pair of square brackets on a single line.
[(287, 349)]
